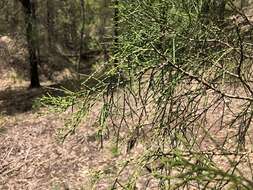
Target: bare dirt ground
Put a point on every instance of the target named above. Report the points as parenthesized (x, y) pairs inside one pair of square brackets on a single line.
[(31, 156)]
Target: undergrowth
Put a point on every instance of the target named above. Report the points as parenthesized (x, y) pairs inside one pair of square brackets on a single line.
[(180, 93)]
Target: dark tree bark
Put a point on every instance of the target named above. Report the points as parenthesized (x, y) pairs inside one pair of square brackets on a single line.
[(50, 23), (102, 28), (81, 46), (73, 26), (116, 29), (31, 35)]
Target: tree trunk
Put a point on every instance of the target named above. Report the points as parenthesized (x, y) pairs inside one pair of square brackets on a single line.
[(31, 35), (50, 23), (102, 29), (116, 29), (81, 47), (73, 26)]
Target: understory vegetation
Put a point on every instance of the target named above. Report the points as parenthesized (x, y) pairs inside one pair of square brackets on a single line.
[(181, 92), (172, 93)]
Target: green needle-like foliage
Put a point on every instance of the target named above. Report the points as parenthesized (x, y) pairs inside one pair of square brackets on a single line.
[(174, 69)]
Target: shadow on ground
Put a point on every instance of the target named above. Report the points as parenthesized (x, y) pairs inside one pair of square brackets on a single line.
[(20, 100)]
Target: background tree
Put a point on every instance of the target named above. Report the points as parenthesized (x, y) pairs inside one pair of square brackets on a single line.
[(32, 43), (50, 15)]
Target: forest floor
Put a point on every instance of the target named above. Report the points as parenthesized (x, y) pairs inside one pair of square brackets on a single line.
[(31, 155)]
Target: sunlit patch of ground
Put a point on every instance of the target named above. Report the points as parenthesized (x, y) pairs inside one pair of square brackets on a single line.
[(31, 155)]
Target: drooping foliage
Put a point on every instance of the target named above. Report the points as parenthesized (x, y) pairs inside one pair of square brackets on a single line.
[(179, 91)]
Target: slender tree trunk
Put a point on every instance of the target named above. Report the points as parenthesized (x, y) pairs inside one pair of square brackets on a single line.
[(81, 47), (31, 35), (50, 23), (102, 30), (116, 29), (73, 27)]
